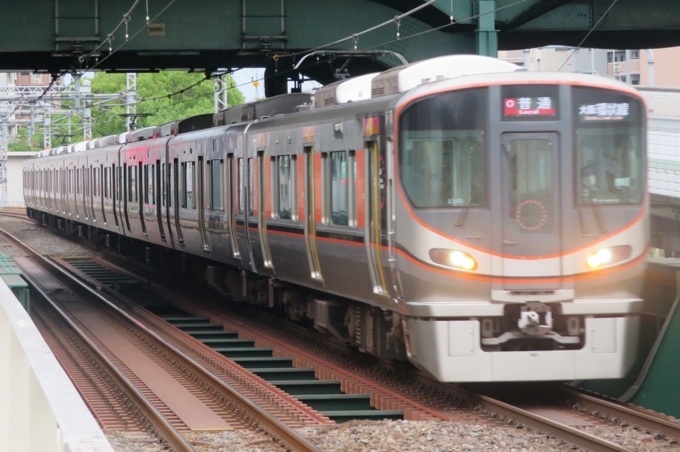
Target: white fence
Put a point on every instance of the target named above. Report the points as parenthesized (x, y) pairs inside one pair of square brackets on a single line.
[(40, 409)]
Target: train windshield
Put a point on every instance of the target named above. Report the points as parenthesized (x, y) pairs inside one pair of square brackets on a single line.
[(610, 147), (441, 150)]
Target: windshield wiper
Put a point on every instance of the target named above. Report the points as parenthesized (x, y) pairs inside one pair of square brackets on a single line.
[(584, 228), (598, 218), (462, 216)]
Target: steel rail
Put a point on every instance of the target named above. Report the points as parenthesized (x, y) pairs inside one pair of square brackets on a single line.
[(562, 431), (622, 412), (271, 424), (566, 432), (161, 425)]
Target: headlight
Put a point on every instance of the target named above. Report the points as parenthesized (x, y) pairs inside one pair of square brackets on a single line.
[(453, 258), (609, 255)]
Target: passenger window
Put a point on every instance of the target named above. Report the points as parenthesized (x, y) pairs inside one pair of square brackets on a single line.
[(274, 172), (325, 202), (149, 184), (352, 188), (189, 185), (285, 188), (239, 182), (132, 183), (119, 195), (339, 189), (294, 187), (216, 184), (107, 183), (251, 172)]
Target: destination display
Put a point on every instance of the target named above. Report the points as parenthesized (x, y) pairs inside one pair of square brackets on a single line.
[(528, 106), (604, 111)]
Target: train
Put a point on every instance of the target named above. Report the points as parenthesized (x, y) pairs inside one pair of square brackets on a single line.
[(482, 222)]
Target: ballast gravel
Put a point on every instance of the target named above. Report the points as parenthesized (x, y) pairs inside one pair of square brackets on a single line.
[(391, 436), (369, 436), (41, 239)]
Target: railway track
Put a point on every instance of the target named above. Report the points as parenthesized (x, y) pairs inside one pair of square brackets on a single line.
[(163, 406), (550, 419), (437, 399)]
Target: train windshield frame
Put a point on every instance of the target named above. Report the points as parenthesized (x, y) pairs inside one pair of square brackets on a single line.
[(442, 154), (609, 133)]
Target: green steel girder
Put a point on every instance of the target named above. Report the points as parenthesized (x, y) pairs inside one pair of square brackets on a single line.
[(630, 24), (59, 35), (51, 35)]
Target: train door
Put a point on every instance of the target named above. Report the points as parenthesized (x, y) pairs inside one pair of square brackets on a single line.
[(73, 187), (244, 200), (89, 215), (91, 191), (200, 190), (102, 189), (262, 211), (531, 191), (232, 183), (175, 198), (375, 215), (249, 209), (141, 191), (113, 173), (63, 190), (159, 194), (124, 180), (310, 220)]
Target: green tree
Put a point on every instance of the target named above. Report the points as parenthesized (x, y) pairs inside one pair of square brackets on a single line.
[(21, 142), (156, 91)]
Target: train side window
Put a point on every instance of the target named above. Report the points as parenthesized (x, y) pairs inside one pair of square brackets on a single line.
[(119, 186), (175, 183), (285, 188), (132, 183), (352, 190), (162, 183), (239, 183), (251, 173), (171, 182), (70, 181), (216, 185), (274, 187), (79, 181), (107, 183), (188, 179), (294, 187), (149, 185), (183, 177), (325, 201), (339, 189)]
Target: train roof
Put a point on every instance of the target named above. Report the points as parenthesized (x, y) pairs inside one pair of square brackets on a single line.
[(411, 80), (264, 108), (354, 89)]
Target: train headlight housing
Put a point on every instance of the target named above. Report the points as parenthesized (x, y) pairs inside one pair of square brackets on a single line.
[(453, 258), (609, 255)]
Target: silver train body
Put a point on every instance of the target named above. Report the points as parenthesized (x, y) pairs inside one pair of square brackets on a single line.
[(485, 224)]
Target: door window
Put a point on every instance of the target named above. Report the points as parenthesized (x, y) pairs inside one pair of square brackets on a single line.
[(531, 189)]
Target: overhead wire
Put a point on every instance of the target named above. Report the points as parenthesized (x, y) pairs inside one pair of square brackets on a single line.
[(126, 18), (588, 34), (454, 22)]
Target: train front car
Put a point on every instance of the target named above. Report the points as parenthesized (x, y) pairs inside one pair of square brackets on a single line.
[(522, 226)]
